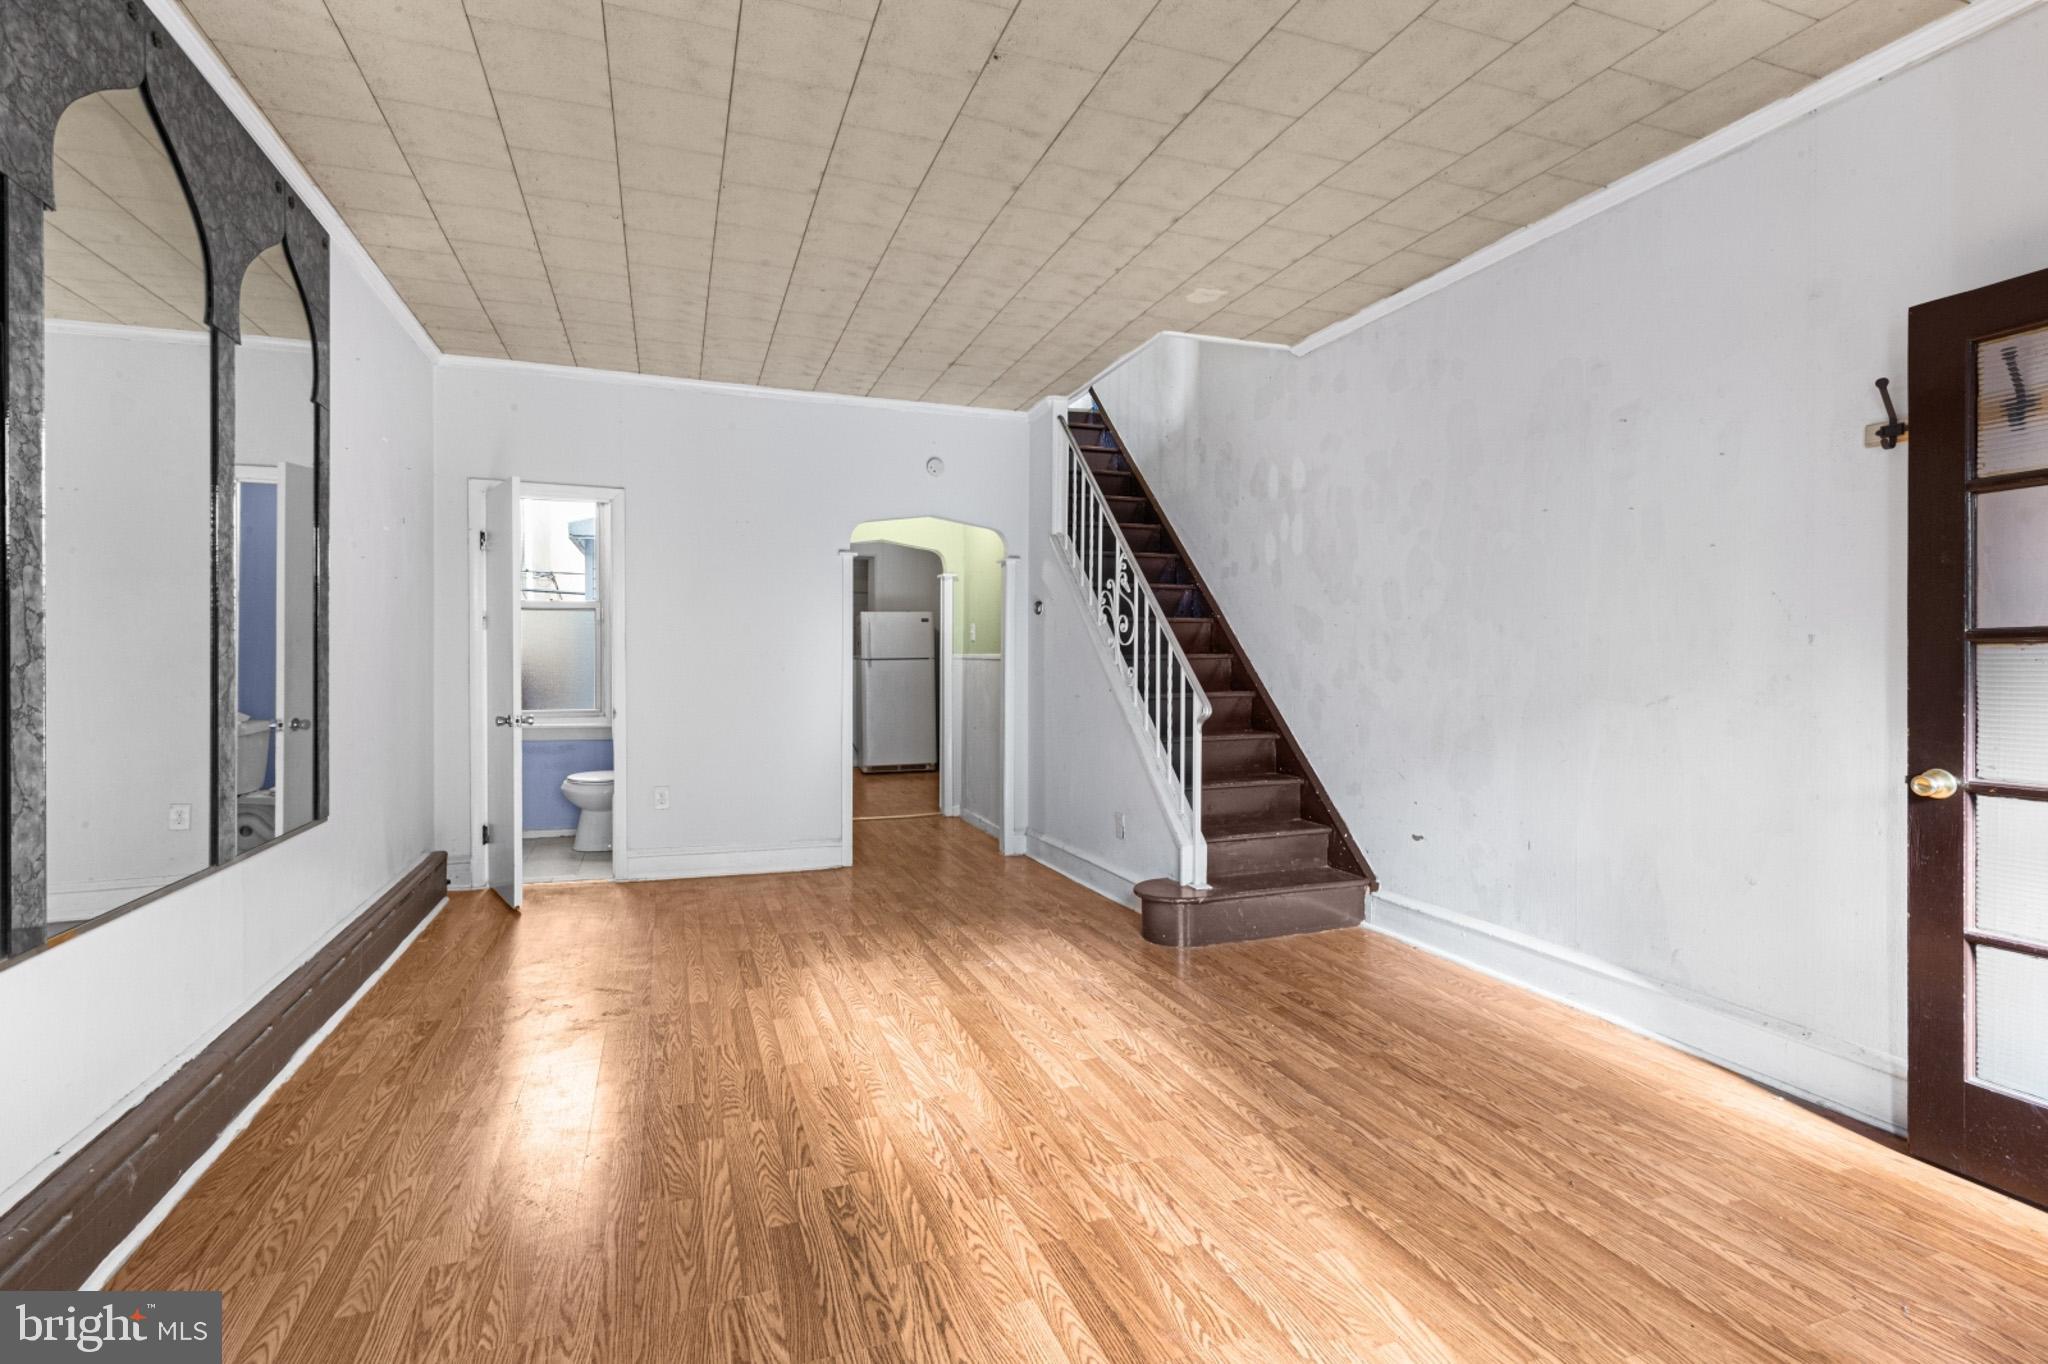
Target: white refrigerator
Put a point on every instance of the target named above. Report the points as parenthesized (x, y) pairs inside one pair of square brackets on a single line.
[(895, 691)]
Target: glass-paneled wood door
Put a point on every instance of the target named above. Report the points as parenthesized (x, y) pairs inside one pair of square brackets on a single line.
[(1977, 737)]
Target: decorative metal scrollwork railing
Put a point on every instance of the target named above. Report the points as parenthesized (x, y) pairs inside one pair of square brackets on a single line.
[(1161, 683)]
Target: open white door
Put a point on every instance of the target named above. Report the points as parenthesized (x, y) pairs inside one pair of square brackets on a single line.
[(295, 554), (508, 723)]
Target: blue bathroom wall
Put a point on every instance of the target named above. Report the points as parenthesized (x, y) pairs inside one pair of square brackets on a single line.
[(547, 762), (256, 611)]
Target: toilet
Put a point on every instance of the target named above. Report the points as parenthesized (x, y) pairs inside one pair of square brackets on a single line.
[(591, 792), (255, 804)]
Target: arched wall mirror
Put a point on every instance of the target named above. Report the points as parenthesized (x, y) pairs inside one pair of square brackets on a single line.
[(166, 525), (127, 517)]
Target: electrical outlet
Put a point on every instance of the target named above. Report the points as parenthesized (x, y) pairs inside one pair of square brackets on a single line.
[(181, 817), (661, 798), (1119, 824), (970, 632)]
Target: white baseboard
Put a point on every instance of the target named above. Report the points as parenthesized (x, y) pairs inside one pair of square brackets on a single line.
[(1836, 1074), (679, 865), (982, 822), (156, 1215), (1078, 867)]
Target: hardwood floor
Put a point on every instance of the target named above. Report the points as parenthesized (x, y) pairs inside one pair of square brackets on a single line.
[(949, 1106), (894, 795)]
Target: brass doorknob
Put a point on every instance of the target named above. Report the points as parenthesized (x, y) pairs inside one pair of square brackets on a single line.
[(1935, 784)]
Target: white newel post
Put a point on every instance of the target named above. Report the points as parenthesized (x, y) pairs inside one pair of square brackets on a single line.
[(1015, 632), (949, 698), (846, 558)]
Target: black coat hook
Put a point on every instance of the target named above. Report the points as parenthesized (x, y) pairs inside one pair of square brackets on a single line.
[(1891, 433)]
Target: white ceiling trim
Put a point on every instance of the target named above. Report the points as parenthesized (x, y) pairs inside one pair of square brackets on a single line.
[(623, 378), (1916, 47), (72, 326), (1860, 75)]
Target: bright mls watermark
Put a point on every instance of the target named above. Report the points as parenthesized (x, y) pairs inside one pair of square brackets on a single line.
[(167, 1328)]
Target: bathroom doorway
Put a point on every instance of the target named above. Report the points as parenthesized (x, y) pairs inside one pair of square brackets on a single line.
[(547, 594), (274, 566), (928, 605)]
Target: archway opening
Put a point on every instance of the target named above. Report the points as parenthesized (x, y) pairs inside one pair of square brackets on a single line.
[(926, 610)]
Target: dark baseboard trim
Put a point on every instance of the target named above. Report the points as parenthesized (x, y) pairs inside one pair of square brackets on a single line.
[(67, 1225)]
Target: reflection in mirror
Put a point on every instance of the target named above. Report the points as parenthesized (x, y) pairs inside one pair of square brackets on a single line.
[(275, 560), (128, 470)]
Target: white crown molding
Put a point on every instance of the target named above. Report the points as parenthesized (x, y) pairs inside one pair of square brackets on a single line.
[(1916, 47), (1922, 43), (628, 379), (180, 26), (1928, 41)]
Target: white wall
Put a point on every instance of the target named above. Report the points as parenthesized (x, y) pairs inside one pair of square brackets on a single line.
[(901, 578), (128, 503), (981, 741), (102, 1019), (1582, 593), (738, 503)]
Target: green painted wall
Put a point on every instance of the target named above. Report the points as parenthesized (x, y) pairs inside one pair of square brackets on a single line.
[(976, 555)]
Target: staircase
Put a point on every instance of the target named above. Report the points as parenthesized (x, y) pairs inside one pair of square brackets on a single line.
[(1280, 860)]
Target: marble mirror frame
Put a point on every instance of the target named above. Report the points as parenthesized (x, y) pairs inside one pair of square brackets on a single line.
[(53, 53)]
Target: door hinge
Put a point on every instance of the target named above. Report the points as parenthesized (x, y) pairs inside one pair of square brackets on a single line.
[(483, 539), (487, 833)]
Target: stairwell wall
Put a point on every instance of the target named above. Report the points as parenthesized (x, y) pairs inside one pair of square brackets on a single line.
[(1580, 589)]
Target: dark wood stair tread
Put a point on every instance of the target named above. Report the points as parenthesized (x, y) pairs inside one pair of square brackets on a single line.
[(1251, 827), (1248, 883)]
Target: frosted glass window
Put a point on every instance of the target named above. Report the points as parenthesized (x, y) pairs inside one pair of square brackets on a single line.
[(2011, 885), (2012, 1022), (2012, 403), (2012, 713), (558, 660), (2012, 573)]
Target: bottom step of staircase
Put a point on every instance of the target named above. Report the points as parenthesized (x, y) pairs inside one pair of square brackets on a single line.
[(1263, 904)]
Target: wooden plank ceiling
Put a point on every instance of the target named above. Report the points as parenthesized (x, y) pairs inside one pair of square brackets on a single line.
[(975, 201)]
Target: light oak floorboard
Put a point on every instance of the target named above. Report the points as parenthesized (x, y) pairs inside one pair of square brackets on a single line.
[(949, 1106), (894, 795)]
